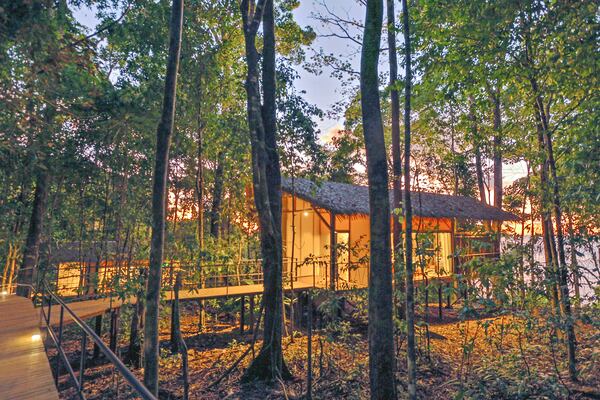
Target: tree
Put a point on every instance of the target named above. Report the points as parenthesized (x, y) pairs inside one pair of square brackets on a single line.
[(32, 243), (159, 198), (266, 179), (396, 157), (407, 208), (381, 329)]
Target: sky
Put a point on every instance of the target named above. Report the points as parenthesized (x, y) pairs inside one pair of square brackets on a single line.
[(322, 89)]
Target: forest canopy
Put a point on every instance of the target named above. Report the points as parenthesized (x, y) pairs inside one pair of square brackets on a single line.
[(153, 137)]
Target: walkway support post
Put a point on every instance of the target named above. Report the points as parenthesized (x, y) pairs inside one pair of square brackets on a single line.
[(242, 310), (440, 300), (332, 252), (60, 339), (114, 329), (251, 311), (82, 361), (98, 330), (309, 376)]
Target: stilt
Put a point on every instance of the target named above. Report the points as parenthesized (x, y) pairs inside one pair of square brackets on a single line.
[(309, 374), (251, 312), (202, 316), (292, 315), (242, 310), (98, 331), (440, 301), (332, 252), (114, 329), (426, 301)]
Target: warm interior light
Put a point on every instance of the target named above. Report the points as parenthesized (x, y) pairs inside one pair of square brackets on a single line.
[(4, 292), (306, 213), (35, 337)]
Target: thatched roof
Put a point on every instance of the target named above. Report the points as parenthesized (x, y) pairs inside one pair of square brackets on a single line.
[(343, 198), (85, 252)]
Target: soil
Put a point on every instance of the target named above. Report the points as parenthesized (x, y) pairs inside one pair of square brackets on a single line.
[(484, 357)]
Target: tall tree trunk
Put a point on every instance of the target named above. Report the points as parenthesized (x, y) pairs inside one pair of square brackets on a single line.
[(561, 264), (28, 267), (266, 176), (477, 150), (200, 194), (396, 157), (217, 200), (542, 116), (497, 159), (159, 198), (574, 265), (200, 167), (381, 328), (16, 230), (498, 191), (522, 283), (411, 356)]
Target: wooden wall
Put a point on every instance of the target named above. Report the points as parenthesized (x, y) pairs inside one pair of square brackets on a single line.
[(312, 241)]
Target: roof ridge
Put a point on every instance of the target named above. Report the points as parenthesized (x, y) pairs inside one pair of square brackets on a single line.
[(348, 198)]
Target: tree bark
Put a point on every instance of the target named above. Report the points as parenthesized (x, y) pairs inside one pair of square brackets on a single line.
[(266, 176), (381, 328), (159, 198), (396, 157), (411, 356), (27, 271)]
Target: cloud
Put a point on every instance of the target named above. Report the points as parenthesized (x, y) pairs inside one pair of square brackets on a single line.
[(332, 132)]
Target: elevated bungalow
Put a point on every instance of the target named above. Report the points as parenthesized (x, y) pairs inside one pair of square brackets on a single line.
[(317, 215)]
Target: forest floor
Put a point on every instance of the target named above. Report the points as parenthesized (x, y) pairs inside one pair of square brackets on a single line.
[(488, 357)]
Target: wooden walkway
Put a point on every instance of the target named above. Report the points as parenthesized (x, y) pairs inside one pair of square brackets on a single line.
[(24, 368), (91, 308)]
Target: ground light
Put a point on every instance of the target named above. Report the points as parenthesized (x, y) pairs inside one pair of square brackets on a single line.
[(35, 338)]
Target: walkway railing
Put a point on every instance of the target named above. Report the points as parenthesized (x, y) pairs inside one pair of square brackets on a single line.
[(52, 303), (90, 281)]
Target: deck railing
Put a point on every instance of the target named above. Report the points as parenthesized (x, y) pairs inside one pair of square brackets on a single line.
[(85, 282), (51, 303)]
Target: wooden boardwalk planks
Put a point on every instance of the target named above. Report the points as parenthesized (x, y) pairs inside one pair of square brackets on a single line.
[(24, 368)]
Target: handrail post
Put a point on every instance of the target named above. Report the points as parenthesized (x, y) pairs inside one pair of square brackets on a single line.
[(135, 384), (60, 335), (48, 315), (314, 274)]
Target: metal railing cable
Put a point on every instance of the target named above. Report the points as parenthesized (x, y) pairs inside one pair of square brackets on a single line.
[(47, 298)]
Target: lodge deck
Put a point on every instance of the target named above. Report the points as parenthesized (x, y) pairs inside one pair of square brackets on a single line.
[(24, 371)]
